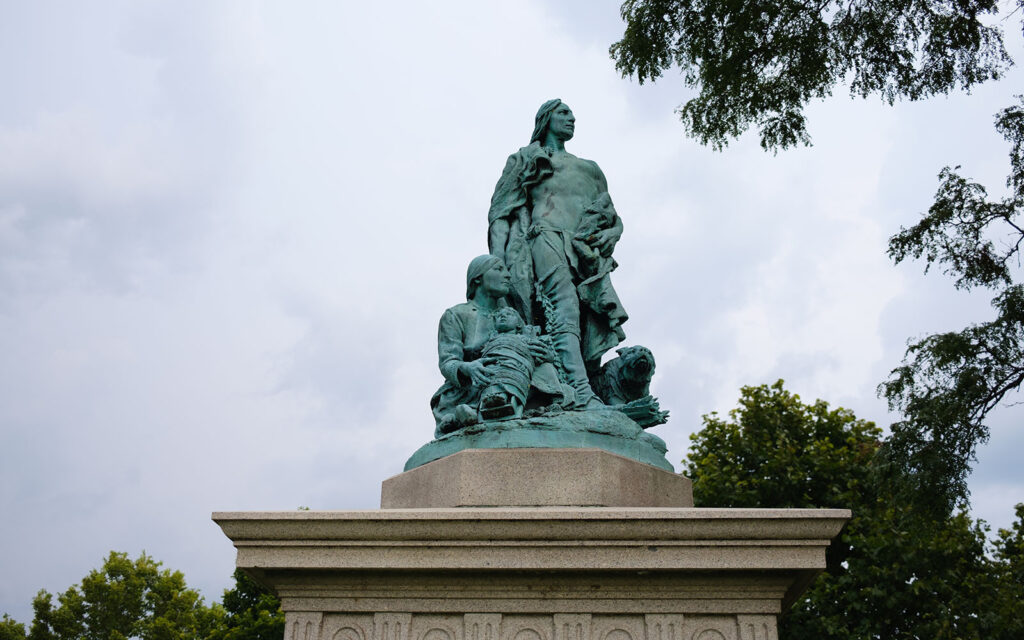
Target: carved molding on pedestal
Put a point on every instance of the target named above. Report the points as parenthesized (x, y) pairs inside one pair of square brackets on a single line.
[(757, 627), (303, 626), (495, 626), (482, 626), (572, 626)]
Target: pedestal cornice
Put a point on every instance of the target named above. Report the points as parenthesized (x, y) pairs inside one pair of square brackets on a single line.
[(785, 547)]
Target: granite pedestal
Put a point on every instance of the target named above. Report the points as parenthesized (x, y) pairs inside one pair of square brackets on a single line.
[(536, 478), (522, 572)]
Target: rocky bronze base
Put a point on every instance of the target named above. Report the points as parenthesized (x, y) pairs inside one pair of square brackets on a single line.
[(605, 429)]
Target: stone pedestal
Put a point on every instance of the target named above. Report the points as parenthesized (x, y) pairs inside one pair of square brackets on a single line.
[(536, 478), (533, 572)]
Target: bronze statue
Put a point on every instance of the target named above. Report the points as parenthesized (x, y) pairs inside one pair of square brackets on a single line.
[(521, 358)]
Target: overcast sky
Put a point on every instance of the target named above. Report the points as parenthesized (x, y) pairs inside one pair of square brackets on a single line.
[(227, 231)]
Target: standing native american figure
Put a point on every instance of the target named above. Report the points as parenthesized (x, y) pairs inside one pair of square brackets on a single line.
[(553, 224)]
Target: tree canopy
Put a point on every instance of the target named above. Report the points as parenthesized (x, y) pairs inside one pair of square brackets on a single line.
[(760, 62), (124, 599), (820, 456), (891, 574), (138, 599), (949, 382), (251, 612), (11, 629)]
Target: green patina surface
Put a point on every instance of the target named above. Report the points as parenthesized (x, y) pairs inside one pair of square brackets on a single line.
[(521, 358), (601, 429)]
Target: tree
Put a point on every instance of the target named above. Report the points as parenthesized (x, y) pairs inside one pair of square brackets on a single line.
[(252, 612), (760, 62), (1009, 553), (904, 581), (890, 574), (138, 599), (125, 599), (820, 455), (949, 382), (10, 629)]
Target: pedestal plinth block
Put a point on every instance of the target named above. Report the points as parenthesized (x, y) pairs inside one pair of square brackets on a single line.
[(536, 477), (534, 573)]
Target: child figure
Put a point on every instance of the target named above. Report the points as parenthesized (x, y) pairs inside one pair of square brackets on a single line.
[(513, 368), (599, 216)]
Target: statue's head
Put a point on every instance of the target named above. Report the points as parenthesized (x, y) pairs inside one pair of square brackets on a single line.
[(507, 320), (490, 272), (553, 115)]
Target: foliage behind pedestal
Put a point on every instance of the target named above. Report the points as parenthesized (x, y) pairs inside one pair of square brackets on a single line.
[(894, 572)]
